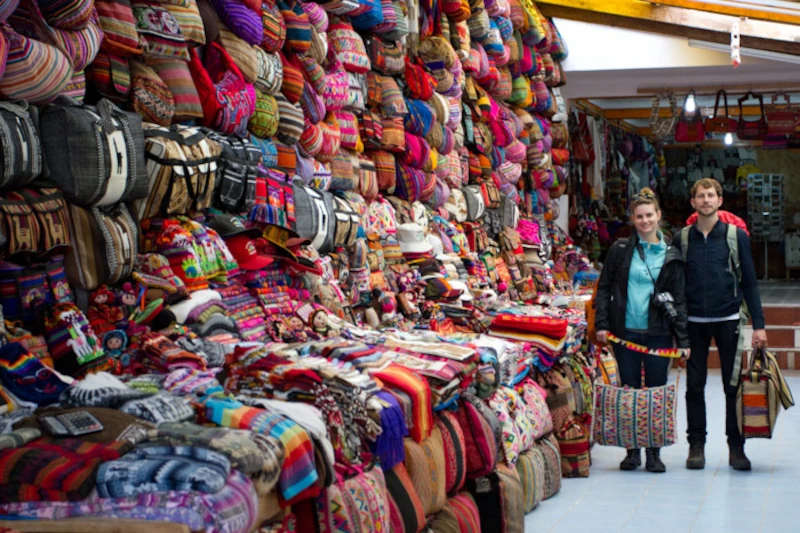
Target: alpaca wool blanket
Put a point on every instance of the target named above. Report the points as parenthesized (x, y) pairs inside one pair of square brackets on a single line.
[(163, 469), (258, 456), (54, 471)]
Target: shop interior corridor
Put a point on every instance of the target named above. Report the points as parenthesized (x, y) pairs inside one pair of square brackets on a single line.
[(715, 500)]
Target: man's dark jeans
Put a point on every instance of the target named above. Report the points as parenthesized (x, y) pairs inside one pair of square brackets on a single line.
[(726, 336)]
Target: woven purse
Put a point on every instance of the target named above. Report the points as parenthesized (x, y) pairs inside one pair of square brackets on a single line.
[(762, 390), (663, 127), (635, 418)]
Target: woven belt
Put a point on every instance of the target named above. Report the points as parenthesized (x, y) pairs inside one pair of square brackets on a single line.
[(672, 353)]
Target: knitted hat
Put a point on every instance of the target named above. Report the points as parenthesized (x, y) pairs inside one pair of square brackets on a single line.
[(27, 378)]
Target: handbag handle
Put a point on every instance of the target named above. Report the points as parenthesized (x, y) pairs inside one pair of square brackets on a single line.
[(716, 103), (786, 98), (744, 98), (696, 115)]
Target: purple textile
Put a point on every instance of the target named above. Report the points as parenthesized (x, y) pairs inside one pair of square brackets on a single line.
[(231, 510)]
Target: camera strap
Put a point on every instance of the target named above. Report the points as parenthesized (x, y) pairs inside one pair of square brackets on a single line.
[(671, 353), (640, 249)]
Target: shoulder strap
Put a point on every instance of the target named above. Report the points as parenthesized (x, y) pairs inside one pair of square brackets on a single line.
[(733, 252), (685, 241)]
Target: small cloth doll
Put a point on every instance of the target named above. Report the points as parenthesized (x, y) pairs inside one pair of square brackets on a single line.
[(104, 313), (115, 344), (128, 299)]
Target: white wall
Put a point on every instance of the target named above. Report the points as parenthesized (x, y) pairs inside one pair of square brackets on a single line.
[(595, 47)]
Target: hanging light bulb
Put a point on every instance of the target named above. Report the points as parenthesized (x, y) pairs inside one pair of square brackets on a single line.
[(728, 139), (690, 106)]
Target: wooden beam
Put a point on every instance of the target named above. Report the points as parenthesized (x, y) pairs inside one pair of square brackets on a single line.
[(644, 113), (731, 89), (687, 23), (737, 9)]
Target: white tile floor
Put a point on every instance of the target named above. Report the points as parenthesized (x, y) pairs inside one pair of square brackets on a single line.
[(717, 499)]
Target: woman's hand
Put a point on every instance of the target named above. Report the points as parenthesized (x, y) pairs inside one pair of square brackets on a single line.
[(687, 353), (602, 337)]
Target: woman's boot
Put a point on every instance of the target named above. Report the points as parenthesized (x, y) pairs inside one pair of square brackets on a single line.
[(654, 462), (632, 461)]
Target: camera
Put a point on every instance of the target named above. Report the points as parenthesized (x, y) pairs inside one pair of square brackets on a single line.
[(664, 302)]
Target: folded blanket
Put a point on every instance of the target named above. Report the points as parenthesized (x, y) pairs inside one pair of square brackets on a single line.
[(258, 456), (231, 510), (163, 469), (59, 471), (160, 408)]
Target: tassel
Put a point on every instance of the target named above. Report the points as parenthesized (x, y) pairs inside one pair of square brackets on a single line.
[(388, 447)]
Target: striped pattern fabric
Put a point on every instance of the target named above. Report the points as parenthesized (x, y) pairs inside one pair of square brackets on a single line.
[(70, 15), (298, 471), (392, 102), (290, 121), (406, 510), (178, 78), (187, 14), (61, 471), (298, 26), (348, 125), (287, 159), (454, 451), (274, 27), (531, 472), (243, 54), (244, 22), (466, 511), (110, 75), (293, 80), (311, 140), (511, 500), (400, 378), (270, 72), (119, 26), (35, 71), (573, 441), (755, 407), (6, 8), (552, 465)]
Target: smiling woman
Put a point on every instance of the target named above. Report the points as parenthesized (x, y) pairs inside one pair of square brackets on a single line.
[(640, 297)]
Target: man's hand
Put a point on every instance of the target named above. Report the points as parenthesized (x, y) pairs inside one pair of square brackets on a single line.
[(602, 337), (759, 338), (687, 353)]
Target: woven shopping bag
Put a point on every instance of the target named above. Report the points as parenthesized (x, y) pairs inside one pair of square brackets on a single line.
[(762, 391), (635, 418)]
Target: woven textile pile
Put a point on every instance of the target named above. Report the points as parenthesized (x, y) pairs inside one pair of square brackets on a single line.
[(298, 260)]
